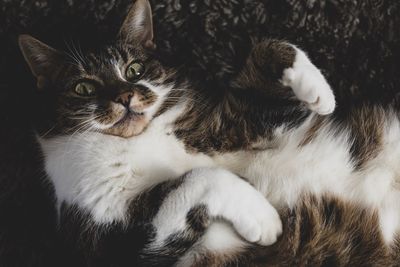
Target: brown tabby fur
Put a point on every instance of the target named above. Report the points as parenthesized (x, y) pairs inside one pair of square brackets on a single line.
[(367, 126), (319, 232), (247, 111)]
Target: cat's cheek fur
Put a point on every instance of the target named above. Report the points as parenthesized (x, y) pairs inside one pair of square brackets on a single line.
[(309, 85)]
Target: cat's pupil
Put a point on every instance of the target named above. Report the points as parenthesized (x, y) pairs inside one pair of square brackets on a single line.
[(85, 89), (135, 70)]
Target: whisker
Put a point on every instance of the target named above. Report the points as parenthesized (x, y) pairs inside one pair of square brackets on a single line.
[(86, 122), (47, 132)]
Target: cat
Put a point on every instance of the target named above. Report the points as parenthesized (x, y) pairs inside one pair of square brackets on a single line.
[(266, 127)]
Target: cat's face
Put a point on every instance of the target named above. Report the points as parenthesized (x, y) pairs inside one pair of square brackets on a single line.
[(114, 90)]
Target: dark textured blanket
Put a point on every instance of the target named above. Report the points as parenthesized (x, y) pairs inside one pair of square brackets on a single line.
[(355, 42)]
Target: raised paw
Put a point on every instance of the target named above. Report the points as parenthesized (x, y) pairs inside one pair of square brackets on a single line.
[(309, 85)]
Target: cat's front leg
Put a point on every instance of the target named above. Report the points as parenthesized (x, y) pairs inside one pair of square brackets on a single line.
[(208, 194), (308, 84), (273, 66)]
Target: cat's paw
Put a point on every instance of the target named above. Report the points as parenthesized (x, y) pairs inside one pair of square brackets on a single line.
[(309, 85), (250, 213), (229, 197), (258, 222)]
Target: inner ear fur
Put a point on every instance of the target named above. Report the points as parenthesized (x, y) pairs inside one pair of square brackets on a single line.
[(138, 25), (43, 60)]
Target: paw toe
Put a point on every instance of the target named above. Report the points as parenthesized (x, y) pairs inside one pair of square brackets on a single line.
[(272, 229)]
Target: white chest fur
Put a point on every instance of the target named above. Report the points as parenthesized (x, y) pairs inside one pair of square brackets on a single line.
[(102, 173)]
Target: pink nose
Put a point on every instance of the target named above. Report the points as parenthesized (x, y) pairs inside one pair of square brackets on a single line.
[(124, 98)]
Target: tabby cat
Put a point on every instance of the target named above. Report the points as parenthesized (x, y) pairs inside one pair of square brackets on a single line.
[(116, 128)]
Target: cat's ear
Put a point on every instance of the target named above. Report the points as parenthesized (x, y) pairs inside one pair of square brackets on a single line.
[(138, 25), (43, 60)]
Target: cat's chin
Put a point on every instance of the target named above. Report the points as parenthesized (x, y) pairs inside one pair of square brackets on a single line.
[(128, 127)]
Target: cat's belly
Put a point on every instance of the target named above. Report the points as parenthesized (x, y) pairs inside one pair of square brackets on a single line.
[(283, 175), (323, 166)]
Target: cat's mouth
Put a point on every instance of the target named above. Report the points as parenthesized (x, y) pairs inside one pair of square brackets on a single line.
[(129, 117), (130, 124)]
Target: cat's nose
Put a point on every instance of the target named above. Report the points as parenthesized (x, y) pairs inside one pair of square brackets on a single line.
[(124, 98)]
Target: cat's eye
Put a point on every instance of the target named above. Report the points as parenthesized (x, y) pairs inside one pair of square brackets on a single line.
[(85, 89), (134, 71)]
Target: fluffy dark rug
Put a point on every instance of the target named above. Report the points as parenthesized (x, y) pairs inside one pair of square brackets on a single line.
[(355, 42)]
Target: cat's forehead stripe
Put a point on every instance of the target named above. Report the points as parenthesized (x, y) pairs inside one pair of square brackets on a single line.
[(104, 60), (123, 53), (117, 70)]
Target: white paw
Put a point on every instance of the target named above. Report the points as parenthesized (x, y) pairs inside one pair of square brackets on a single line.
[(238, 202), (257, 221), (309, 85)]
